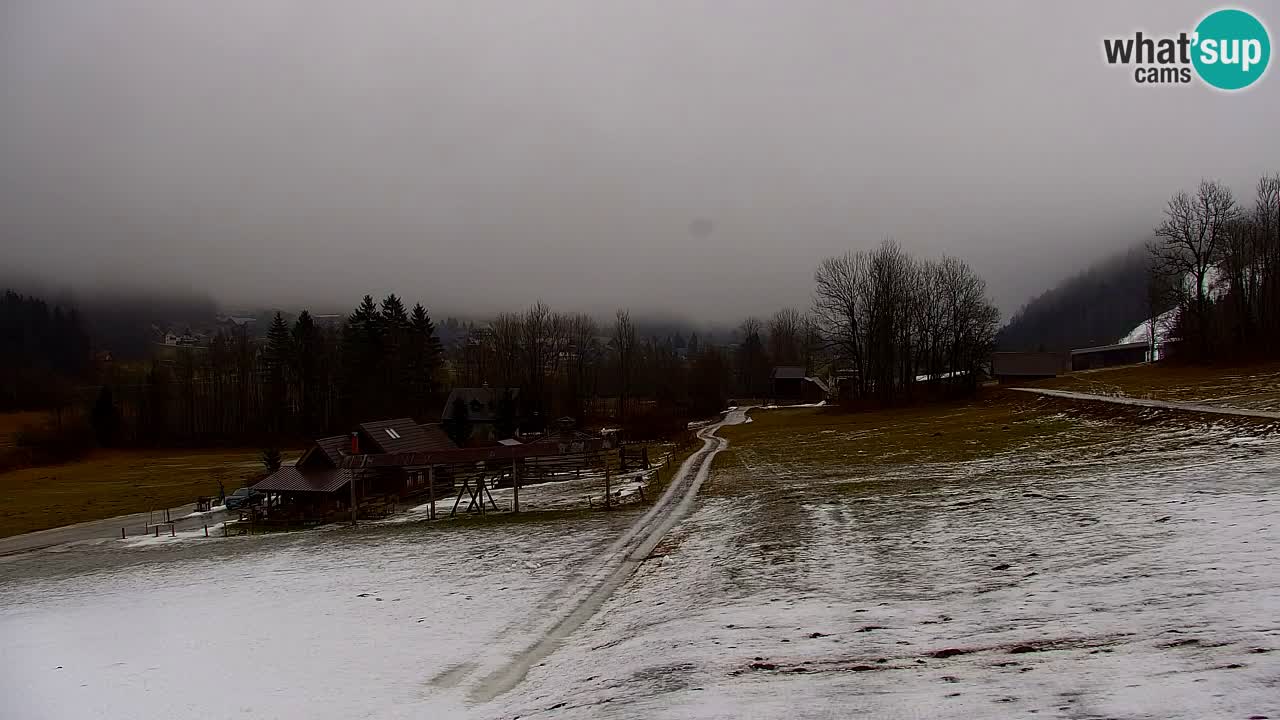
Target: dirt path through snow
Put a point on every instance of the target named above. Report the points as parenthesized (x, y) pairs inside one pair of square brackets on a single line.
[(618, 563)]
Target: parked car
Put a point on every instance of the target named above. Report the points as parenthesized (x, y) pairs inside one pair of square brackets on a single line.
[(243, 498)]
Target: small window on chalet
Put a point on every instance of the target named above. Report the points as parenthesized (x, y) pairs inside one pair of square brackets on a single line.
[(393, 433)]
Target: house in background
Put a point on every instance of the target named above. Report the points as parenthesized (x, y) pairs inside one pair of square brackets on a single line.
[(487, 409), (788, 383), (328, 320)]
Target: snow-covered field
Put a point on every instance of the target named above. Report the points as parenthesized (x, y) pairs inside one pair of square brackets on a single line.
[(1135, 577), (330, 624)]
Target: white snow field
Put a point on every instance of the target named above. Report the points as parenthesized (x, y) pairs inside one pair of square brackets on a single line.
[(1137, 577)]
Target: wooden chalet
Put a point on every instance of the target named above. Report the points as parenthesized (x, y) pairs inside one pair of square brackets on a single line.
[(318, 487), (388, 461)]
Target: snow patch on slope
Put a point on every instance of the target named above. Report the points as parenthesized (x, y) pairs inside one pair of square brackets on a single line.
[(1164, 326)]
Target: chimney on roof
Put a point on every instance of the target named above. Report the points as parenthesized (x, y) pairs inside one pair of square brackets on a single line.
[(355, 443)]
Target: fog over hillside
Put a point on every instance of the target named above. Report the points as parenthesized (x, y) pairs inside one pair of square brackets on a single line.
[(1097, 306), (483, 155)]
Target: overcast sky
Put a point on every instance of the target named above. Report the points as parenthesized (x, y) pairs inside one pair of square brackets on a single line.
[(694, 157)]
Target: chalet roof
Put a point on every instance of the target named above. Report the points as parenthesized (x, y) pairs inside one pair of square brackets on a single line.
[(333, 448), (788, 372), (405, 435), (290, 479), (482, 402), (437, 438)]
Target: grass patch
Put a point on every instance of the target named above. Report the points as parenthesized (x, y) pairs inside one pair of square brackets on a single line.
[(996, 421), (1000, 431), (791, 454), (12, 422), (1249, 386), (117, 482)]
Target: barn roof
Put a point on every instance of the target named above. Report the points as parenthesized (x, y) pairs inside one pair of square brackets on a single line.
[(403, 435), (290, 479), (788, 372), (1140, 345)]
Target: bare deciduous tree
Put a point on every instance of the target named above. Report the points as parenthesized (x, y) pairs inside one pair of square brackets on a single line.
[(786, 336), (1191, 241), (584, 356), (624, 350), (890, 317)]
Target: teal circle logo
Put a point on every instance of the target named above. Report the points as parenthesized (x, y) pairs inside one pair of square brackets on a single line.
[(1232, 49)]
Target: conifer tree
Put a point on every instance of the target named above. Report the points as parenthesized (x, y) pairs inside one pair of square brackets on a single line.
[(423, 359), (361, 348), (305, 370), (278, 357), (458, 425), (393, 363)]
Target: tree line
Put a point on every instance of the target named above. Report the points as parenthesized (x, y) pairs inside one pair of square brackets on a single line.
[(301, 381), (891, 318), (880, 319), (44, 352), (569, 364), (1218, 262)]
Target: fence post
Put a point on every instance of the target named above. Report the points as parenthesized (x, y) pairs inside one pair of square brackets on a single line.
[(353, 499), (515, 487), (121, 533), (608, 492), (431, 489), (206, 530)]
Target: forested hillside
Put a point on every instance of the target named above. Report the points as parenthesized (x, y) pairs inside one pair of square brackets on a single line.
[(1095, 307), (43, 350)]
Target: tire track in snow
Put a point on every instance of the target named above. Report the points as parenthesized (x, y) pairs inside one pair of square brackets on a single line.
[(620, 560)]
